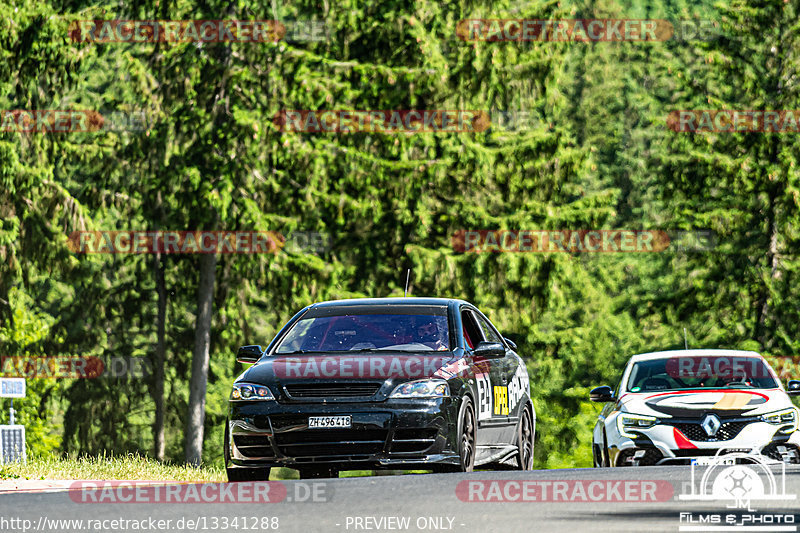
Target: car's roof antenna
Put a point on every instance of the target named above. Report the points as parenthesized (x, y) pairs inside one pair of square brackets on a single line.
[(408, 274), (685, 341)]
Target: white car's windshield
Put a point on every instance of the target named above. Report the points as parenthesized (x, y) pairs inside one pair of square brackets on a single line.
[(700, 372), (366, 332)]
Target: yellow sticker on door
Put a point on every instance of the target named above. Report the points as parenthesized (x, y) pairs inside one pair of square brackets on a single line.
[(501, 400)]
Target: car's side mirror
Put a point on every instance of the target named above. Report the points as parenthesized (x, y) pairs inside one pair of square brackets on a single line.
[(603, 393), (249, 354), (793, 387), (489, 350), (511, 343)]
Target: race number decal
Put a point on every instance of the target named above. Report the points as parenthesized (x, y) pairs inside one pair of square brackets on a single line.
[(501, 400), (484, 396)]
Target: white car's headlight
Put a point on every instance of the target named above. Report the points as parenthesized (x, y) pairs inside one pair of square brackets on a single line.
[(627, 422), (424, 388), (786, 418), (243, 392)]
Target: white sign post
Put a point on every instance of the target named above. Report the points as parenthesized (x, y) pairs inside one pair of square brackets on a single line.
[(12, 444), (12, 436), (12, 387)]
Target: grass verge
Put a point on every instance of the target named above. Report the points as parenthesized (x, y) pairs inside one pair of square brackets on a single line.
[(130, 467), (107, 467)]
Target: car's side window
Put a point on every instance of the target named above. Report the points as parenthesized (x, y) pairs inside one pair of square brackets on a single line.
[(472, 334), (488, 331)]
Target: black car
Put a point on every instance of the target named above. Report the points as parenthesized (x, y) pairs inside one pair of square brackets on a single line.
[(389, 383)]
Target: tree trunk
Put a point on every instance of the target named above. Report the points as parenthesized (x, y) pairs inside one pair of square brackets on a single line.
[(159, 441), (202, 340), (764, 331), (765, 313)]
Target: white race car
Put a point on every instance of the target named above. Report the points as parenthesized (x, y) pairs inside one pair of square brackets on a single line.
[(675, 406)]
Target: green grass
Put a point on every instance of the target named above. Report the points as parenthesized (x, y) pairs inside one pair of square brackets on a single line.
[(129, 467), (107, 467)]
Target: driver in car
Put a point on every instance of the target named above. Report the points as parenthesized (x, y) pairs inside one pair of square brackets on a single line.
[(428, 333), (735, 377)]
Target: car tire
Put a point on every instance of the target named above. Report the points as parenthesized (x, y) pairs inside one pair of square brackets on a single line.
[(248, 474), (467, 436), (318, 473), (524, 441)]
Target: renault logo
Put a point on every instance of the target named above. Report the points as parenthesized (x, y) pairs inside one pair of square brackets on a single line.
[(711, 425)]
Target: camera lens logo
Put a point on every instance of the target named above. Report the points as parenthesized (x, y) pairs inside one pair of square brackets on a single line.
[(738, 477), (735, 479), (738, 482)]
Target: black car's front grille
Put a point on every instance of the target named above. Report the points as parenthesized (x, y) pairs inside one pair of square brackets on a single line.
[(413, 440), (253, 445), (328, 442), (694, 431), (332, 390)]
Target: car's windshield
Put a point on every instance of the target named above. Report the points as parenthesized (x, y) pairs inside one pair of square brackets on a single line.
[(366, 332), (700, 372)]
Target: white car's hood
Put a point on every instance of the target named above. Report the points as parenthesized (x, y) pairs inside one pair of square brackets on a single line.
[(693, 404)]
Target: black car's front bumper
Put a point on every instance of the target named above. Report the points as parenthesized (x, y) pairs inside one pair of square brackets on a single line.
[(387, 434)]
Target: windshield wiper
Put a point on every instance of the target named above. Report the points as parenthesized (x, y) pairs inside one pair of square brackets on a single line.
[(429, 350)]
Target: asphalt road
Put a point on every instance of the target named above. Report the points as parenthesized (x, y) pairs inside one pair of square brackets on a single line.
[(574, 500)]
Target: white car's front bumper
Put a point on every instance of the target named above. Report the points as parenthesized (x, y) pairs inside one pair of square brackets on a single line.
[(668, 443)]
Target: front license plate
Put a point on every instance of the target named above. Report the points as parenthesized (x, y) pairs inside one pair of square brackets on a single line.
[(710, 461), (330, 421)]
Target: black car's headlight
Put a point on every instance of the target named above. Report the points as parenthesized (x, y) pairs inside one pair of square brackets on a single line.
[(786, 418), (628, 421), (245, 392), (424, 388)]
